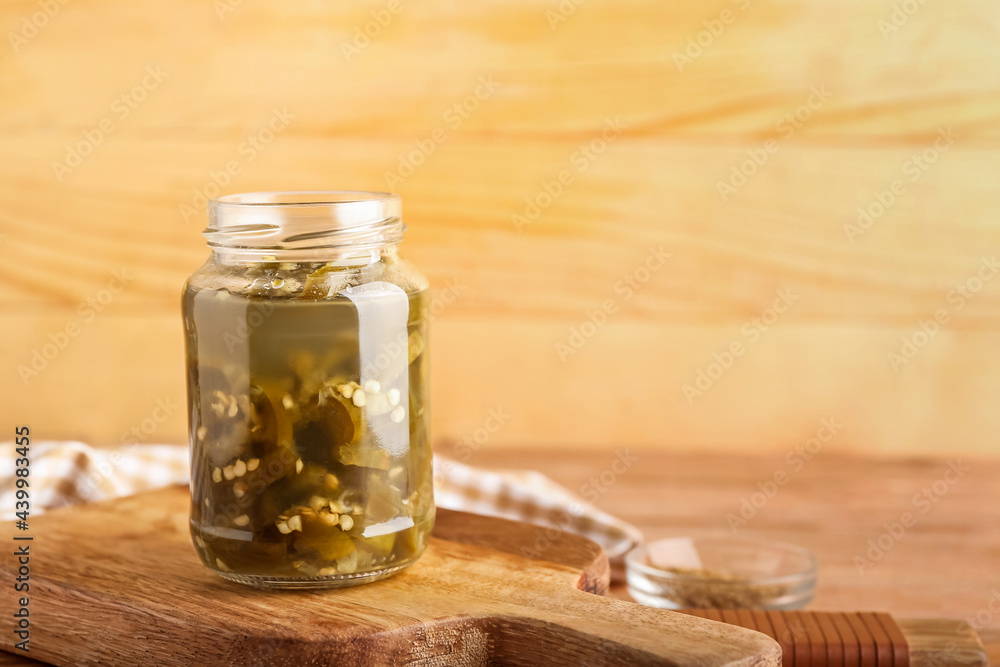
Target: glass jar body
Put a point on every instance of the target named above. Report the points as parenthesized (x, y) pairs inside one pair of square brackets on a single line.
[(307, 388)]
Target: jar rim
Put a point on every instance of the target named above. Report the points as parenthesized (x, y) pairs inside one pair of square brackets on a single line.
[(303, 224), (280, 198)]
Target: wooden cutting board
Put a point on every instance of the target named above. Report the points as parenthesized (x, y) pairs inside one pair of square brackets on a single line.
[(119, 583)]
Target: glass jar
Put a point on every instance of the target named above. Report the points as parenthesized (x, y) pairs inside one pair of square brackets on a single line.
[(307, 391)]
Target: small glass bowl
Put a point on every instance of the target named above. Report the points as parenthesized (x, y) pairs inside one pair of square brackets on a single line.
[(721, 573)]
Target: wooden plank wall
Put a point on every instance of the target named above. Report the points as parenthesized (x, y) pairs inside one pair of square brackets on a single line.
[(546, 152)]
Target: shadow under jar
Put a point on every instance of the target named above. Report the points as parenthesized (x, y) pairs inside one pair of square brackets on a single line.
[(307, 392)]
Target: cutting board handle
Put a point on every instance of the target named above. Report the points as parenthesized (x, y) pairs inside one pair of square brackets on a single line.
[(558, 626)]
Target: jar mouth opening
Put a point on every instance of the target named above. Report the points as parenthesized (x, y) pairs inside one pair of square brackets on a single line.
[(296, 225), (301, 198)]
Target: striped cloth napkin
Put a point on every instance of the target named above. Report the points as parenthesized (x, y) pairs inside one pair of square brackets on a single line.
[(70, 473)]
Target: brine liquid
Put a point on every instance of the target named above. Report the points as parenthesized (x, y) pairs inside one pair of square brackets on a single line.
[(310, 459)]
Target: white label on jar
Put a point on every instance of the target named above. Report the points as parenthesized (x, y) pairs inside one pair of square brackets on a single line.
[(383, 346)]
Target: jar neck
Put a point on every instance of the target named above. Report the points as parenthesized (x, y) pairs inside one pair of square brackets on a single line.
[(336, 257), (349, 228)]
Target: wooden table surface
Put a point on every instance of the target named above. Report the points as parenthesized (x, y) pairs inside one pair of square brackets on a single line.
[(946, 564)]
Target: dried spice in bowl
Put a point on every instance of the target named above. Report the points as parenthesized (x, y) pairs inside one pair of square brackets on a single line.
[(721, 573), (708, 589)]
